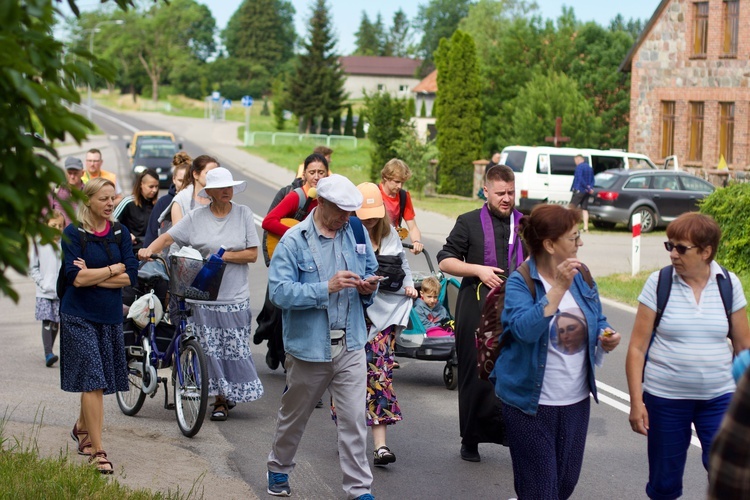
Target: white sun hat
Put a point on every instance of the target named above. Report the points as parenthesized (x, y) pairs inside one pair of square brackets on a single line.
[(220, 177)]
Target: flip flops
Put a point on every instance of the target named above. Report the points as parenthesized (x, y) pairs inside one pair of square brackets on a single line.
[(82, 440)]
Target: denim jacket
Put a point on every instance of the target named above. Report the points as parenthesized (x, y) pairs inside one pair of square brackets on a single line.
[(295, 286), (519, 370)]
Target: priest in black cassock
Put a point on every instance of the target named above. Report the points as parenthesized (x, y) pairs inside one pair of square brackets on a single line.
[(483, 248)]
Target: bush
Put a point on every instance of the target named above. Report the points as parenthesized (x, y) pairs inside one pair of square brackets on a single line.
[(730, 207)]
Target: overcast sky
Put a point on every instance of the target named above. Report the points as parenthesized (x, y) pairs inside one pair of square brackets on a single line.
[(348, 13)]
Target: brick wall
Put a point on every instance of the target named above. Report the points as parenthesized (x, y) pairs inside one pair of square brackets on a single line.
[(664, 69)]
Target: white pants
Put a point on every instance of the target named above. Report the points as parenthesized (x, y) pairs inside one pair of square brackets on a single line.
[(346, 379)]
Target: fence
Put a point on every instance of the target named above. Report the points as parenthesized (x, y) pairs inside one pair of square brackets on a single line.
[(279, 138), (149, 105)]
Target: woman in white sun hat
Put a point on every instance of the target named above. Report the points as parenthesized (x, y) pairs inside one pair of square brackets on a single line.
[(222, 326)]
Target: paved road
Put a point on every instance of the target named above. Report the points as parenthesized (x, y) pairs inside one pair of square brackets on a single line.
[(426, 442)]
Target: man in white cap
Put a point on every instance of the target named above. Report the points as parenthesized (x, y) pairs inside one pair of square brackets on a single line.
[(321, 274)]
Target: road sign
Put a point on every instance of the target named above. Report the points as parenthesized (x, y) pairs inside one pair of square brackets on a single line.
[(247, 101), (215, 95), (226, 104), (636, 254)]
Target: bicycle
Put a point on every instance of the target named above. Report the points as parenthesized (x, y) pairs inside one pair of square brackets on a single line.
[(183, 353)]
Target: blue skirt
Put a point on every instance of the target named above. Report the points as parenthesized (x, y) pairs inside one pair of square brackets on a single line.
[(92, 356)]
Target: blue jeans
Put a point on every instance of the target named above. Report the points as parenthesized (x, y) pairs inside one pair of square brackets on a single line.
[(669, 438)]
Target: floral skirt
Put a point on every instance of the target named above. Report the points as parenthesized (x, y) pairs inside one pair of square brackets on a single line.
[(47, 310), (223, 331), (382, 405)]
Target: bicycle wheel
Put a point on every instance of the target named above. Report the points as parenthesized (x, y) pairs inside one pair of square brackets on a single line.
[(190, 395), (131, 401)]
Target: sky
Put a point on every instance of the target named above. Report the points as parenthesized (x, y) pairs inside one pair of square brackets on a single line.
[(347, 14)]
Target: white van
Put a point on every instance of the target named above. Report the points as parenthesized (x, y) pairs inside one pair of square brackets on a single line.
[(545, 174)]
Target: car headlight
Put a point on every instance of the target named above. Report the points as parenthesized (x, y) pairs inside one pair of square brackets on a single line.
[(139, 168)]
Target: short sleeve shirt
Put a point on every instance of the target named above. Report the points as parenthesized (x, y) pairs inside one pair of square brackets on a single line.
[(690, 357), (393, 209)]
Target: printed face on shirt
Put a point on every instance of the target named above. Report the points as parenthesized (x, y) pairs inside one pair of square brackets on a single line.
[(392, 186), (429, 298), (568, 333), (501, 197), (102, 203), (74, 177), (314, 172)]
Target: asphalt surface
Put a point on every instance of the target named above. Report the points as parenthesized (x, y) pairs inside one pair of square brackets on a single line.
[(231, 455)]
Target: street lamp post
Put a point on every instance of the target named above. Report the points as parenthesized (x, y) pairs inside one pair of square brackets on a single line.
[(91, 51)]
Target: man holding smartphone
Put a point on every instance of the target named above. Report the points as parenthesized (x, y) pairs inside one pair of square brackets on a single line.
[(320, 278)]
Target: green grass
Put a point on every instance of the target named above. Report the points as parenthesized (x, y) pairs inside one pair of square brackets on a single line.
[(25, 474)]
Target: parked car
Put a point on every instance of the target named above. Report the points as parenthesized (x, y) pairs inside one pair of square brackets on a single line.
[(155, 154), (545, 174), (149, 134), (658, 195)]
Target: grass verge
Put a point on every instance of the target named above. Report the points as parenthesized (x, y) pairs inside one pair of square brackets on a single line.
[(25, 474)]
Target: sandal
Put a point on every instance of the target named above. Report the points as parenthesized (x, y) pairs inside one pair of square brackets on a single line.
[(103, 465), (384, 456), (220, 411), (82, 440)]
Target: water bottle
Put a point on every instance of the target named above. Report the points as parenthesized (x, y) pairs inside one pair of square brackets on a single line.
[(209, 270)]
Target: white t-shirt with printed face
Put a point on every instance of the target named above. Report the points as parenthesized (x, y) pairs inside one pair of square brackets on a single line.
[(566, 374)]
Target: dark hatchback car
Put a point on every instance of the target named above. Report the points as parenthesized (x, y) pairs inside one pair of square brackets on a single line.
[(155, 154), (658, 195)]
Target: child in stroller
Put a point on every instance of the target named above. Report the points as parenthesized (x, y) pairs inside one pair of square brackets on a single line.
[(433, 315)]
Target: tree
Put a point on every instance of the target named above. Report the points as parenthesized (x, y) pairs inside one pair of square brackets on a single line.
[(360, 132), (367, 39), (261, 33), (399, 40), (459, 138), (438, 19), (38, 83), (317, 88), (387, 117), (349, 123), (543, 99), (336, 126), (423, 109), (418, 155)]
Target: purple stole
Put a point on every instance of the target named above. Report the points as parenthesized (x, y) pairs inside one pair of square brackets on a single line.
[(514, 242)]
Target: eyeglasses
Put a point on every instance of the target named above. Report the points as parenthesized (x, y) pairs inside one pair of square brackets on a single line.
[(575, 238), (681, 249)]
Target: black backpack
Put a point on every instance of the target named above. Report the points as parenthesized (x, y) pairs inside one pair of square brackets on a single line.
[(390, 266), (62, 281)]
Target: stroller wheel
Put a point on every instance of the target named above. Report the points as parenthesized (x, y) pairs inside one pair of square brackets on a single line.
[(450, 376)]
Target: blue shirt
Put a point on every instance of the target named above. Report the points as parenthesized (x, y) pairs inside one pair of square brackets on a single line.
[(298, 285), (583, 178), (519, 371), (94, 303)]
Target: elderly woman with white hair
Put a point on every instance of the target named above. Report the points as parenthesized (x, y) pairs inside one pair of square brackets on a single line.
[(222, 326)]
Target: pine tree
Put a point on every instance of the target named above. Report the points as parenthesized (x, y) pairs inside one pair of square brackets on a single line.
[(423, 110), (317, 89), (366, 39), (387, 118), (360, 132), (400, 38), (265, 111), (459, 124), (336, 127), (349, 124), (411, 108)]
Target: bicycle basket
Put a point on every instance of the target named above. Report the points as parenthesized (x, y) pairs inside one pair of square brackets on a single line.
[(183, 273)]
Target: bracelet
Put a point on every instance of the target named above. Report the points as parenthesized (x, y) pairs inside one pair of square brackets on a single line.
[(110, 271)]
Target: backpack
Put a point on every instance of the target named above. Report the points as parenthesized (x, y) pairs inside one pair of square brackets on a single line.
[(490, 327), (402, 231), (664, 288), (62, 280)]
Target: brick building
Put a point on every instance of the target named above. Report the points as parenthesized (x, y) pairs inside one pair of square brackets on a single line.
[(690, 84)]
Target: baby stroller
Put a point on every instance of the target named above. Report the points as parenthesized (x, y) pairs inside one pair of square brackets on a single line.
[(413, 341)]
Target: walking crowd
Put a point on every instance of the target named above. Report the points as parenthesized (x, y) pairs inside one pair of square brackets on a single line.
[(340, 293)]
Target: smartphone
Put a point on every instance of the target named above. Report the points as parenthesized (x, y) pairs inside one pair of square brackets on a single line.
[(374, 279)]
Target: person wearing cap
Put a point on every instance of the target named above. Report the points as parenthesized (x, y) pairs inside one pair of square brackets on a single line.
[(322, 274), (94, 169), (222, 326), (73, 175), (387, 315)]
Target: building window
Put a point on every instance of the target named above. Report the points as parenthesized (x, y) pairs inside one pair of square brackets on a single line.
[(726, 130), (700, 29), (403, 89), (381, 87), (667, 128), (731, 27), (695, 151)]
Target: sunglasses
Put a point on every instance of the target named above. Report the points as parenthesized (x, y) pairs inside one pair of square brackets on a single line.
[(681, 249)]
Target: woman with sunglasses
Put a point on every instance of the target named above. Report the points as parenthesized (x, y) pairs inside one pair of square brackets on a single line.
[(687, 376)]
